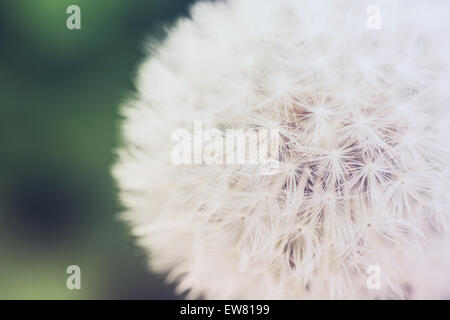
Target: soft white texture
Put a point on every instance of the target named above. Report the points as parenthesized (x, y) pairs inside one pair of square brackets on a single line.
[(364, 180)]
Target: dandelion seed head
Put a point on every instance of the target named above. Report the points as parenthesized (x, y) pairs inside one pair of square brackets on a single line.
[(364, 154)]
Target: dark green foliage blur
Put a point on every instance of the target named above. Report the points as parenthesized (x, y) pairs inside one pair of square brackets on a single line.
[(60, 92)]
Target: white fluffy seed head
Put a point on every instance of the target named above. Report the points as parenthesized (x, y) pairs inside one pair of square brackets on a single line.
[(364, 120)]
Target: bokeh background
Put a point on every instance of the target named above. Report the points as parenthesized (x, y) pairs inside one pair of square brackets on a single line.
[(60, 92)]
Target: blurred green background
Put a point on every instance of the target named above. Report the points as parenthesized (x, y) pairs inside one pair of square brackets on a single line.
[(60, 92)]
